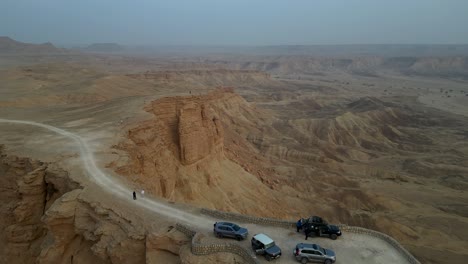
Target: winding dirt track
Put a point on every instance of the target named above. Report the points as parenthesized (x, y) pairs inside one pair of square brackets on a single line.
[(353, 248), (108, 184)]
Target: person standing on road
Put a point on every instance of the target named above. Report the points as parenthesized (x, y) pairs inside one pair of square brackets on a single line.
[(134, 195), (142, 193), (307, 232), (299, 225)]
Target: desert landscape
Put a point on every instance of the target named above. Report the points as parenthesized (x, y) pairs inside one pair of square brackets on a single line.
[(373, 136)]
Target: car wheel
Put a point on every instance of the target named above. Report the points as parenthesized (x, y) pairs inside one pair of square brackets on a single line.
[(268, 258), (333, 236), (304, 260), (239, 238), (328, 261), (219, 235)]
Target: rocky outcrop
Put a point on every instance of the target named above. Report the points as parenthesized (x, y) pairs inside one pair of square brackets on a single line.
[(45, 220), (28, 189), (186, 257), (195, 150), (23, 192), (89, 233), (165, 245), (200, 132)]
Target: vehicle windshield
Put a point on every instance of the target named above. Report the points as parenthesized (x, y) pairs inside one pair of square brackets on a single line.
[(236, 227), (272, 244)]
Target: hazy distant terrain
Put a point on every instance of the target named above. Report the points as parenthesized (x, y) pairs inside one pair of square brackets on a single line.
[(9, 46)]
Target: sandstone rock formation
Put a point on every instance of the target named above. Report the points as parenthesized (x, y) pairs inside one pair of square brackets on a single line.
[(186, 257), (47, 219), (200, 132), (27, 190), (186, 154), (166, 246)]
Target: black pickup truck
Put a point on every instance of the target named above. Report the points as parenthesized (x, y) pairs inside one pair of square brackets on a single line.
[(317, 226)]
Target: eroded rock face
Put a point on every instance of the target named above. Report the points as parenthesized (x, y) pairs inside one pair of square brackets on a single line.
[(23, 193), (28, 189), (200, 132), (189, 153), (186, 257), (45, 220), (163, 245), (60, 221), (85, 232)]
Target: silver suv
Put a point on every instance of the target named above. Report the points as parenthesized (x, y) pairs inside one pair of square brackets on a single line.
[(314, 253), (226, 229)]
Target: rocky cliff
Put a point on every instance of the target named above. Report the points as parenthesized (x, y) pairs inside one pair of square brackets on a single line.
[(24, 199), (48, 218), (28, 188), (195, 150), (198, 121)]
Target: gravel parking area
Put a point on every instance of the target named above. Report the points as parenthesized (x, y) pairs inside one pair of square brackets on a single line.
[(350, 248)]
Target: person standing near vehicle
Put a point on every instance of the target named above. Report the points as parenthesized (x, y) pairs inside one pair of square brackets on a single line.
[(299, 225), (142, 193), (308, 230), (134, 195)]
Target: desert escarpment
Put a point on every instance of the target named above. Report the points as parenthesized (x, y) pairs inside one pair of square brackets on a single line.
[(30, 188), (218, 151), (181, 154), (335, 156), (46, 218)]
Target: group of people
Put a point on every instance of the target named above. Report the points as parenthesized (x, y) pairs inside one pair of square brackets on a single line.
[(142, 194)]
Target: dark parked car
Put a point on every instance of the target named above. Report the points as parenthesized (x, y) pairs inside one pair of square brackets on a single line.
[(226, 229), (264, 245), (331, 231), (314, 253), (314, 221)]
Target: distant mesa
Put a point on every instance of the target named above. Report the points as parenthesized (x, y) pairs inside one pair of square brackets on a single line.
[(104, 47), (11, 46)]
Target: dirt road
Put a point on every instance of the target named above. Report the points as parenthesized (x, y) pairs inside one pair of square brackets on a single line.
[(351, 248), (108, 184)]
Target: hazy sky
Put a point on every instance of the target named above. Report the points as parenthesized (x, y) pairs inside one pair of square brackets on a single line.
[(236, 22)]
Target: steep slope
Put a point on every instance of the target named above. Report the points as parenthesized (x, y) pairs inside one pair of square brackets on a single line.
[(209, 151), (181, 156)]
